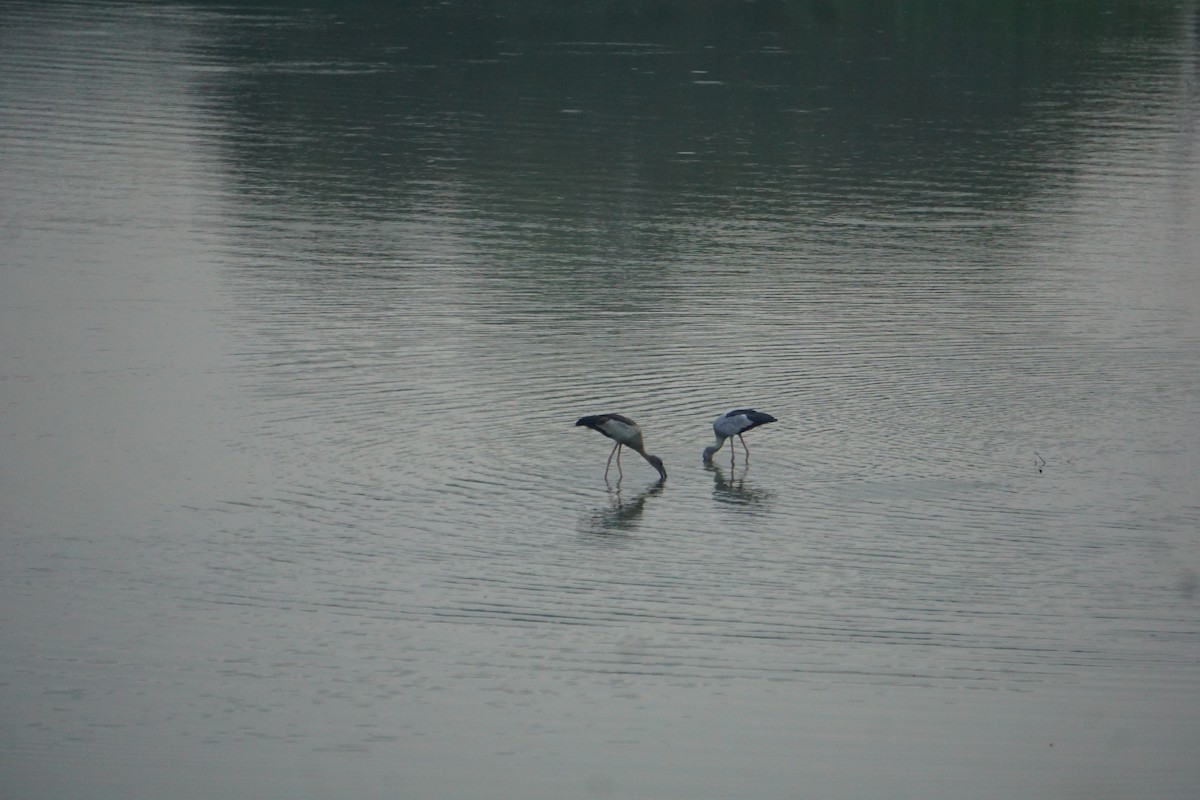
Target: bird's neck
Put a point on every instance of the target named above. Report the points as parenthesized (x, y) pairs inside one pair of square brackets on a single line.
[(714, 447)]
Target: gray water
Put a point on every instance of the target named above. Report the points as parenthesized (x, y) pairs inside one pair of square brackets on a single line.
[(299, 306)]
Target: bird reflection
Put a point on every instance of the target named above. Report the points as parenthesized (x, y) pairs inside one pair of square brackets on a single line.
[(622, 512), (733, 489)]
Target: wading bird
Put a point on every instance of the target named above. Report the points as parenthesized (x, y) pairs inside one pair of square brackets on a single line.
[(735, 423), (624, 432)]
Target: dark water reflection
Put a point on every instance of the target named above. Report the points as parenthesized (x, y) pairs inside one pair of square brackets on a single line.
[(736, 489), (300, 306), (624, 511)]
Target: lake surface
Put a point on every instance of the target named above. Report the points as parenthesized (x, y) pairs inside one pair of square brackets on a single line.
[(299, 307)]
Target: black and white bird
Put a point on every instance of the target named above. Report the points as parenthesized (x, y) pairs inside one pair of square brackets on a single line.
[(735, 423), (624, 432)]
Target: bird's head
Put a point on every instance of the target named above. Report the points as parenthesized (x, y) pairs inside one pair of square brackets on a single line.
[(657, 463)]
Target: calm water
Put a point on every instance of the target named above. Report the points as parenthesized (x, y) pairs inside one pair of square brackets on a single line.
[(299, 307)]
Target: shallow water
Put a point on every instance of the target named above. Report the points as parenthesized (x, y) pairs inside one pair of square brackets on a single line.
[(300, 307)]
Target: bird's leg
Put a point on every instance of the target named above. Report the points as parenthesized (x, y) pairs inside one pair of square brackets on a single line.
[(616, 447), (620, 473), (747, 449)]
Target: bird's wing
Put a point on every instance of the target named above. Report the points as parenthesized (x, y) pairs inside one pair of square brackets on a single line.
[(614, 426), (740, 420)]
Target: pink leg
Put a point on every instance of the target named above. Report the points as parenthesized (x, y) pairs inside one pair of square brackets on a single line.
[(614, 452), (747, 449)]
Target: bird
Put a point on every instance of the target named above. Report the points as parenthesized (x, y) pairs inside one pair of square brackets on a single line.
[(625, 432), (735, 423)]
